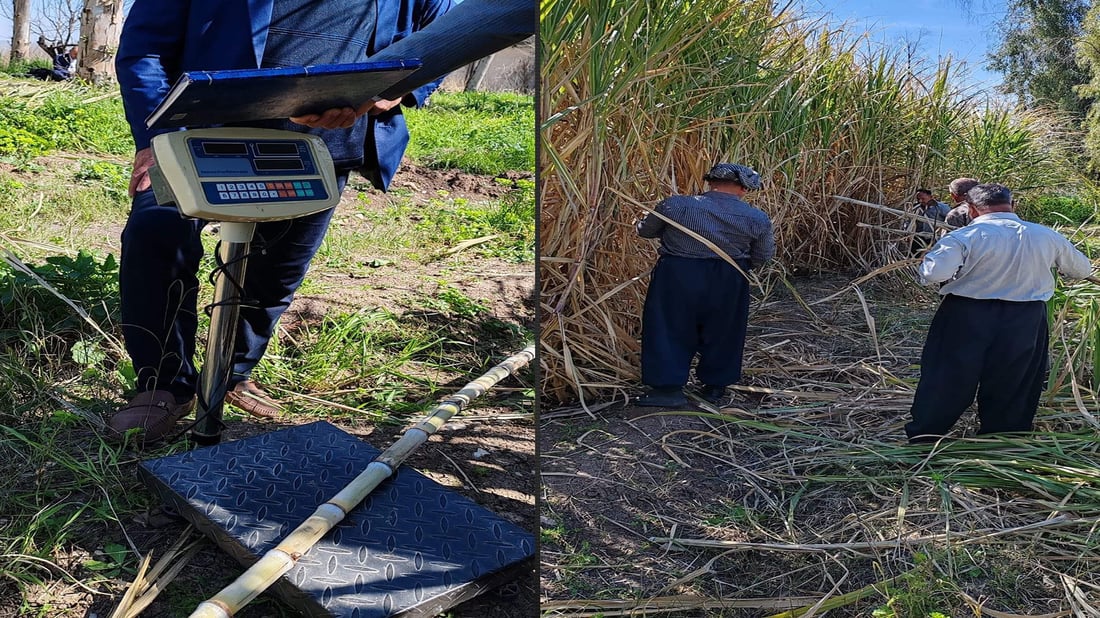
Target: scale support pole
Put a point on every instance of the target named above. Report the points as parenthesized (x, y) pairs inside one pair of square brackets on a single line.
[(235, 242)]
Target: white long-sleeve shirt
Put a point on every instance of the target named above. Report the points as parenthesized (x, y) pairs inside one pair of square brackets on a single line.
[(1000, 256)]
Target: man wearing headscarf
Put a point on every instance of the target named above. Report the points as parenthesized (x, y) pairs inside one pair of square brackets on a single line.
[(698, 302)]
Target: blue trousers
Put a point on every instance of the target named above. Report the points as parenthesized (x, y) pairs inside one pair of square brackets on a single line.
[(694, 306), (158, 285), (995, 348)]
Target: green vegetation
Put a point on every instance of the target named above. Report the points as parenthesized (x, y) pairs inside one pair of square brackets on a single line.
[(1088, 58), (70, 118), (427, 233), (478, 132), (113, 177), (22, 67), (31, 299), (1036, 54), (1060, 210)]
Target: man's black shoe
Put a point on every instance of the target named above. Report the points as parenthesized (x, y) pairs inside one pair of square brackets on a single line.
[(714, 394), (663, 398)]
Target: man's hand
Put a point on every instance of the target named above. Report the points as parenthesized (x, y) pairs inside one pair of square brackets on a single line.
[(377, 106), (344, 117), (139, 178)]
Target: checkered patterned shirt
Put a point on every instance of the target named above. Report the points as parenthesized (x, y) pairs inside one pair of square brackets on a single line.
[(735, 227)]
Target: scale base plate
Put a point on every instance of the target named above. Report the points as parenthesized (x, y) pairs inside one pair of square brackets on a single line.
[(412, 548)]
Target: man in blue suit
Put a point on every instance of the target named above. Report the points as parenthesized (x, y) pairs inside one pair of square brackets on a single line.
[(161, 251)]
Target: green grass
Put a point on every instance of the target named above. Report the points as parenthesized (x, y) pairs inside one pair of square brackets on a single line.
[(729, 513), (68, 118), (20, 68), (425, 234), (387, 366), (476, 132)]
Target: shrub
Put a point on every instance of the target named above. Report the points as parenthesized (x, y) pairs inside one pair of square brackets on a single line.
[(1058, 210), (27, 305), (20, 143)]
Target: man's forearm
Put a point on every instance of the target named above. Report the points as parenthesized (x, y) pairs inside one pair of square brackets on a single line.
[(152, 36), (471, 30)]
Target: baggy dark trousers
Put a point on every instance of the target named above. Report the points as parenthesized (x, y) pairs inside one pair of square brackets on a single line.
[(995, 348), (158, 285), (694, 306)]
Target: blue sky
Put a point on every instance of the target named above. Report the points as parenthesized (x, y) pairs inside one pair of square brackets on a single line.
[(941, 27)]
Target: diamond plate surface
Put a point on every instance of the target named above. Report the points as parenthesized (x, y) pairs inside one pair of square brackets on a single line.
[(411, 548)]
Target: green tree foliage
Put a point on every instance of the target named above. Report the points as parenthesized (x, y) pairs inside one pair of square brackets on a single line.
[(1036, 54), (1088, 57)]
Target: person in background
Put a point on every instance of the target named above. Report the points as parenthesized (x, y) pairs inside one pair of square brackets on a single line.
[(698, 302), (933, 210), (63, 62), (63, 65), (989, 334), (960, 214), (158, 279)]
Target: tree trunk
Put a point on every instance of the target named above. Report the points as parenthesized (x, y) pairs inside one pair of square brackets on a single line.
[(100, 27), (477, 73), (21, 31)]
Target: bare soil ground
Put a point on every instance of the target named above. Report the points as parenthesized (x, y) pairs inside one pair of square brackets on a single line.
[(752, 510), (500, 477)]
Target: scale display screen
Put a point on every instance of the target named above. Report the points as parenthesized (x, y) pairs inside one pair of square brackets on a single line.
[(215, 148), (283, 165), (221, 158), (279, 149)]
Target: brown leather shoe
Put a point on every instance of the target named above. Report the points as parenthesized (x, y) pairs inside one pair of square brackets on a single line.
[(156, 412), (248, 396)]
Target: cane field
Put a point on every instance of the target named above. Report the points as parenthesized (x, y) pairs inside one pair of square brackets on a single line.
[(801, 497), (415, 292)]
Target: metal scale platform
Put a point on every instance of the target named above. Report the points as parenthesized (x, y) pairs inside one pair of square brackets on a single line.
[(413, 547)]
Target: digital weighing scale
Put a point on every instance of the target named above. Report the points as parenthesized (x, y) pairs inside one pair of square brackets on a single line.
[(413, 548)]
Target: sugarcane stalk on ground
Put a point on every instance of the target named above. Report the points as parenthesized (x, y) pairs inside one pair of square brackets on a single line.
[(276, 562)]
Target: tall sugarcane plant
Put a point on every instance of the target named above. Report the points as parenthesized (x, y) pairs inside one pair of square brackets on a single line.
[(1074, 319), (640, 98)]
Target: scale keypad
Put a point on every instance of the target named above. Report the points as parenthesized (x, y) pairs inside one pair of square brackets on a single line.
[(264, 191)]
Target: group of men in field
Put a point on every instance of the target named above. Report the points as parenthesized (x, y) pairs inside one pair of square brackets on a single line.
[(988, 337)]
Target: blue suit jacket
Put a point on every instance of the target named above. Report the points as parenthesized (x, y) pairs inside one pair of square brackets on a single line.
[(162, 39)]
